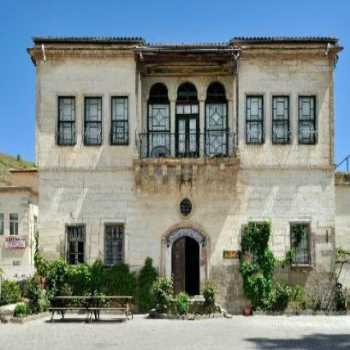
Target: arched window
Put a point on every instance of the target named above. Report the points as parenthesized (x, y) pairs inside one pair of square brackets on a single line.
[(158, 122), (187, 121), (216, 123)]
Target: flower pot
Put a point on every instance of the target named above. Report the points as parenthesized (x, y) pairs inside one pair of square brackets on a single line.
[(247, 310)]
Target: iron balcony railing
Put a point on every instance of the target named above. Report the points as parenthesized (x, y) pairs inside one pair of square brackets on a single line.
[(213, 143)]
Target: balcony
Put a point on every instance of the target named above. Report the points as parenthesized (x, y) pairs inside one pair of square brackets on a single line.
[(185, 159)]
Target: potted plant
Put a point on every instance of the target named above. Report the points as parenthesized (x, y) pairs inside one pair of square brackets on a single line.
[(247, 310)]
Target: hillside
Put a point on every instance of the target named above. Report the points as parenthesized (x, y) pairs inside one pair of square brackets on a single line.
[(10, 162)]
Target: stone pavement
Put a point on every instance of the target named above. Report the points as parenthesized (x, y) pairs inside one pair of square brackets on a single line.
[(258, 332)]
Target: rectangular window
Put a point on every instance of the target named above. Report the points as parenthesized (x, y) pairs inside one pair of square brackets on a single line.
[(66, 121), (75, 244), (299, 242), (93, 121), (120, 121), (13, 224), (114, 242), (254, 120), (307, 120), (2, 223), (280, 120)]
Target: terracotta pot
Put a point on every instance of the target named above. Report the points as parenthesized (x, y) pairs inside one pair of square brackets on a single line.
[(248, 310)]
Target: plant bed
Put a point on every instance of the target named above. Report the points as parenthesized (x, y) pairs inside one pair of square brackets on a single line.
[(25, 319), (189, 317)]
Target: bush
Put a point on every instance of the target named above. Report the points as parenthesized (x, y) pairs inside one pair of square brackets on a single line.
[(97, 277), (162, 290), (120, 281), (21, 310), (209, 293), (38, 298), (10, 292), (182, 303), (279, 297), (57, 273), (147, 276), (79, 279)]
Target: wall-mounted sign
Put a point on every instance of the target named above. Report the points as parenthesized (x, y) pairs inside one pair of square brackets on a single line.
[(231, 254), (15, 242)]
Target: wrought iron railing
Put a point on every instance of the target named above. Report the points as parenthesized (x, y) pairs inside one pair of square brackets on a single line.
[(344, 164), (160, 144)]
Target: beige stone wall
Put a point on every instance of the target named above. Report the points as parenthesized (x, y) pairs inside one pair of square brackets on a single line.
[(342, 220), (18, 263)]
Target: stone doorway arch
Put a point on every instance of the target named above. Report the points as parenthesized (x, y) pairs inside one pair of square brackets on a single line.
[(192, 237)]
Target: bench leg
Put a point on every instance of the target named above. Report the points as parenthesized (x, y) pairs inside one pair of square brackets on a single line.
[(52, 316)]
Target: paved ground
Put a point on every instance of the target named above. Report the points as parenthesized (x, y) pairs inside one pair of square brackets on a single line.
[(258, 332)]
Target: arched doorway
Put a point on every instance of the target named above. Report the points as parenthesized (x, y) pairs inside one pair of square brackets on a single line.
[(185, 265)]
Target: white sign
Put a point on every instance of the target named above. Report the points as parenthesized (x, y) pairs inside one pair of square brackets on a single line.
[(15, 242)]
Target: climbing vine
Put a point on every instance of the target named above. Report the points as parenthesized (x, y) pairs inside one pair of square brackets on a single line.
[(257, 264)]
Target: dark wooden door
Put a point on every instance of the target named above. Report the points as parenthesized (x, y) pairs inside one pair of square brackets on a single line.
[(179, 264)]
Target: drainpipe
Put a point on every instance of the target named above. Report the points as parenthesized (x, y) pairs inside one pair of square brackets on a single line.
[(236, 57)]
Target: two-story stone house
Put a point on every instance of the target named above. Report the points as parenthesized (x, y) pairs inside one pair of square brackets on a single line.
[(168, 150)]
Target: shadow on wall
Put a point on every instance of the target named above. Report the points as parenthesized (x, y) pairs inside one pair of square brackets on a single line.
[(308, 342)]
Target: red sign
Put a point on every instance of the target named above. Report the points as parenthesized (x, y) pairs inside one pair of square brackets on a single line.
[(15, 242)]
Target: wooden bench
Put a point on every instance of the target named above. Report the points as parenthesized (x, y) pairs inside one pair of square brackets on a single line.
[(91, 308)]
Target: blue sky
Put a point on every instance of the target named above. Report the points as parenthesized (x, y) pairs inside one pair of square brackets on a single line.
[(156, 21)]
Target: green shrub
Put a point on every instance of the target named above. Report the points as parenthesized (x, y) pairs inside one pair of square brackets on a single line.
[(182, 303), (147, 276), (10, 292), (120, 281), (79, 279), (57, 275), (279, 297), (21, 310), (97, 277), (162, 290), (38, 298), (209, 293)]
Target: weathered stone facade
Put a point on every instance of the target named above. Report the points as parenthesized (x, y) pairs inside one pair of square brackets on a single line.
[(95, 185), (18, 195)]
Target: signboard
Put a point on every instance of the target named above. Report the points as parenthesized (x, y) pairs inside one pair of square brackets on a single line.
[(15, 242), (231, 254)]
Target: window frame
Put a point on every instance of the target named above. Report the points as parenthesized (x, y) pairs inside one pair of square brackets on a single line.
[(67, 241), (294, 262), (124, 121), (261, 121), (13, 222), (73, 123), (315, 131), (2, 224), (275, 121), (113, 224), (87, 122)]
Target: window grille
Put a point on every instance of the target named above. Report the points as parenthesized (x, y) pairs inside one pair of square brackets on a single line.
[(114, 243), (254, 120), (120, 121), (2, 223), (280, 119), (300, 248), (66, 121), (13, 224), (93, 121), (75, 244), (307, 120)]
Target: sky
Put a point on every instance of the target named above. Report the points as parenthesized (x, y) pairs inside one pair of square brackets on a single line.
[(156, 21)]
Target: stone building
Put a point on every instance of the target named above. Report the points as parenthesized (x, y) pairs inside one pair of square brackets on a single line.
[(168, 150), (18, 222)]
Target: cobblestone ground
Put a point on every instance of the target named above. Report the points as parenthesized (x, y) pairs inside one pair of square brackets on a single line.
[(258, 332)]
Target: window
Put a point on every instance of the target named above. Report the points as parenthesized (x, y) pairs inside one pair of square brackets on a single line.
[(158, 137), (2, 223), (93, 121), (254, 120), (299, 242), (114, 242), (66, 121), (216, 121), (280, 119), (13, 224), (120, 121), (307, 120), (75, 244)]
